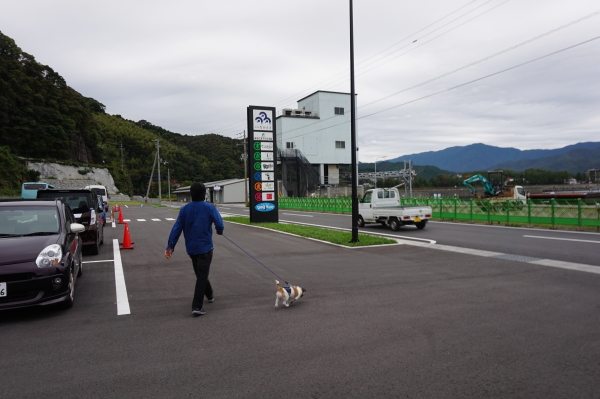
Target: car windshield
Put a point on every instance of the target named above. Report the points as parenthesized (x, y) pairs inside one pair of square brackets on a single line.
[(28, 220), (78, 202)]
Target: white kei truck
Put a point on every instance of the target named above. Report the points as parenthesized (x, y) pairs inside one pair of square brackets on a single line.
[(382, 205)]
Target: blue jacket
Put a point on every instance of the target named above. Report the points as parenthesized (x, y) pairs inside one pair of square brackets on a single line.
[(195, 220)]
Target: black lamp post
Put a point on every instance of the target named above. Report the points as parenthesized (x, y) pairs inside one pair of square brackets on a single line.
[(353, 135)]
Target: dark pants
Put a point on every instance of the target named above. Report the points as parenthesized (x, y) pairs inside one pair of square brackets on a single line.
[(201, 268)]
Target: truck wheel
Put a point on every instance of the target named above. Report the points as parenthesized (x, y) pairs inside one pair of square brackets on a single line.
[(361, 221), (394, 225), (420, 225)]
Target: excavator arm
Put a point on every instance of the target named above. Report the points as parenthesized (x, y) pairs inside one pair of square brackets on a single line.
[(487, 187)]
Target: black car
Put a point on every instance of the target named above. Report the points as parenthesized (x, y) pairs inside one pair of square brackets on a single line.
[(84, 204), (41, 253)]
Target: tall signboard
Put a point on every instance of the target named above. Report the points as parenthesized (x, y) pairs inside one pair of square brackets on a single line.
[(262, 164)]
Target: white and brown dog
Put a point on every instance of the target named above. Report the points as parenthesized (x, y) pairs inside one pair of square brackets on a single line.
[(288, 294)]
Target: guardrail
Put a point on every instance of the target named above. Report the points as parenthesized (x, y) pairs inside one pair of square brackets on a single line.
[(552, 212)]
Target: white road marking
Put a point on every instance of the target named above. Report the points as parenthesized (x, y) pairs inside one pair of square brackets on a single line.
[(156, 220), (567, 265), (293, 214), (98, 261), (127, 220), (113, 224), (563, 239), (224, 208), (365, 232), (122, 300), (126, 206), (169, 219), (141, 220)]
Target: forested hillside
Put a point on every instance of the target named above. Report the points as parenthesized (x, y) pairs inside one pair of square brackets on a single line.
[(42, 118)]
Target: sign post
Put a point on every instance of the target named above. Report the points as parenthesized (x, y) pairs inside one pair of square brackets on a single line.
[(262, 163)]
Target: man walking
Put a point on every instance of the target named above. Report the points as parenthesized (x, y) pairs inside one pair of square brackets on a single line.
[(195, 220)]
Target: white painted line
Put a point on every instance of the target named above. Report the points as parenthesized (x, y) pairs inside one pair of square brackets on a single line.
[(495, 226), (563, 239), (122, 300), (127, 220), (363, 232), (567, 265), (141, 220), (224, 208), (98, 261), (169, 219), (293, 214), (468, 251), (156, 220), (126, 206), (113, 224)]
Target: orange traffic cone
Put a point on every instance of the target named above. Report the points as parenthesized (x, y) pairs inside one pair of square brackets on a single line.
[(127, 244), (121, 221)]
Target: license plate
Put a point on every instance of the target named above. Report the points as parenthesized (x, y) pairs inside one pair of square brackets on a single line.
[(417, 219), (2, 289)]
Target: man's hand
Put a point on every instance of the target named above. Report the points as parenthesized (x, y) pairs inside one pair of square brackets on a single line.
[(169, 253), (220, 232)]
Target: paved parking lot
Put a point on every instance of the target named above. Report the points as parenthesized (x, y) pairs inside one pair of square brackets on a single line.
[(401, 321)]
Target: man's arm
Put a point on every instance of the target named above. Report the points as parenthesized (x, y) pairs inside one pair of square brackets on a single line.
[(218, 221), (174, 236)]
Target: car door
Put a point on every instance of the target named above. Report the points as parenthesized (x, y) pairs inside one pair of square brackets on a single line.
[(366, 207), (73, 240)]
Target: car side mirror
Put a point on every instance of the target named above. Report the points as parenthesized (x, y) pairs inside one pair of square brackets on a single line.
[(77, 228)]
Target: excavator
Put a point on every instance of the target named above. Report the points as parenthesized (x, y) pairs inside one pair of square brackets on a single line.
[(493, 186)]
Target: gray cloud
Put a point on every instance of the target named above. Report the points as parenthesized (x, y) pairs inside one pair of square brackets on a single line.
[(193, 66)]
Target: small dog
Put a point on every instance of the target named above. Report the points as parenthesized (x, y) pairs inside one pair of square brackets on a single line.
[(288, 294)]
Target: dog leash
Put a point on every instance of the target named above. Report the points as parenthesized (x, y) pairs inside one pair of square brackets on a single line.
[(259, 262)]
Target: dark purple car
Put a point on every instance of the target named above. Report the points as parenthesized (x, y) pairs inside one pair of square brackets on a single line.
[(41, 253)]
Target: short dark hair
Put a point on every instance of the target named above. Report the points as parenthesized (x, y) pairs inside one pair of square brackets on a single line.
[(198, 191)]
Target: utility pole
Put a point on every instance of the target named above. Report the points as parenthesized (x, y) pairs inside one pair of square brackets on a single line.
[(353, 134), (245, 160), (121, 147), (159, 160), (151, 176), (169, 181)]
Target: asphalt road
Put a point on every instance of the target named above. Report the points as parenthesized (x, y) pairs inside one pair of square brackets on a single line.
[(567, 246), (388, 322)]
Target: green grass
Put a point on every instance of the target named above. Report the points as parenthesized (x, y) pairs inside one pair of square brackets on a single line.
[(333, 236)]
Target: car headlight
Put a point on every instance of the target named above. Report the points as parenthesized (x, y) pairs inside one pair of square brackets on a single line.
[(50, 256)]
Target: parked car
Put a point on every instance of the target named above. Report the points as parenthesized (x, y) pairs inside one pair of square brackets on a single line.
[(101, 191), (41, 253), (84, 204)]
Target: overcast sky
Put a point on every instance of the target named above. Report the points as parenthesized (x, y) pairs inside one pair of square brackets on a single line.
[(192, 67)]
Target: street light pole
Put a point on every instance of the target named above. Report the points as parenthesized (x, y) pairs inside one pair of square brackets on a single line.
[(353, 133), (385, 156)]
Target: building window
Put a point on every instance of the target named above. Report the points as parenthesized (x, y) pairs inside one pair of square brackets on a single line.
[(289, 144), (340, 144), (339, 110)]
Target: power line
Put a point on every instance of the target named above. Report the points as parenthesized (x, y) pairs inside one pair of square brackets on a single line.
[(460, 85), (237, 124), (489, 57)]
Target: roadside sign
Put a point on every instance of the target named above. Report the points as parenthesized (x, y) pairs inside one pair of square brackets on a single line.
[(262, 158)]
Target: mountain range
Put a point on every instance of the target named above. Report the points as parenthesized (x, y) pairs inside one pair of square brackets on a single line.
[(573, 158)]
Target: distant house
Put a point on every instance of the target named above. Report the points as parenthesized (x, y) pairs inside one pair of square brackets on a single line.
[(230, 191)]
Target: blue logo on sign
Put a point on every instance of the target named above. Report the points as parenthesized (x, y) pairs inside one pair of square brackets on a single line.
[(262, 117), (264, 207), (258, 176)]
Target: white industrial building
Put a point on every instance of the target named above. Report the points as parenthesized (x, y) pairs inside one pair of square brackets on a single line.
[(320, 129), (230, 191)]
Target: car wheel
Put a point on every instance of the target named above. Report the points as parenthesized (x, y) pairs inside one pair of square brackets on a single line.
[(68, 303), (102, 239), (94, 249), (394, 225), (360, 222), (80, 272), (420, 225)]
